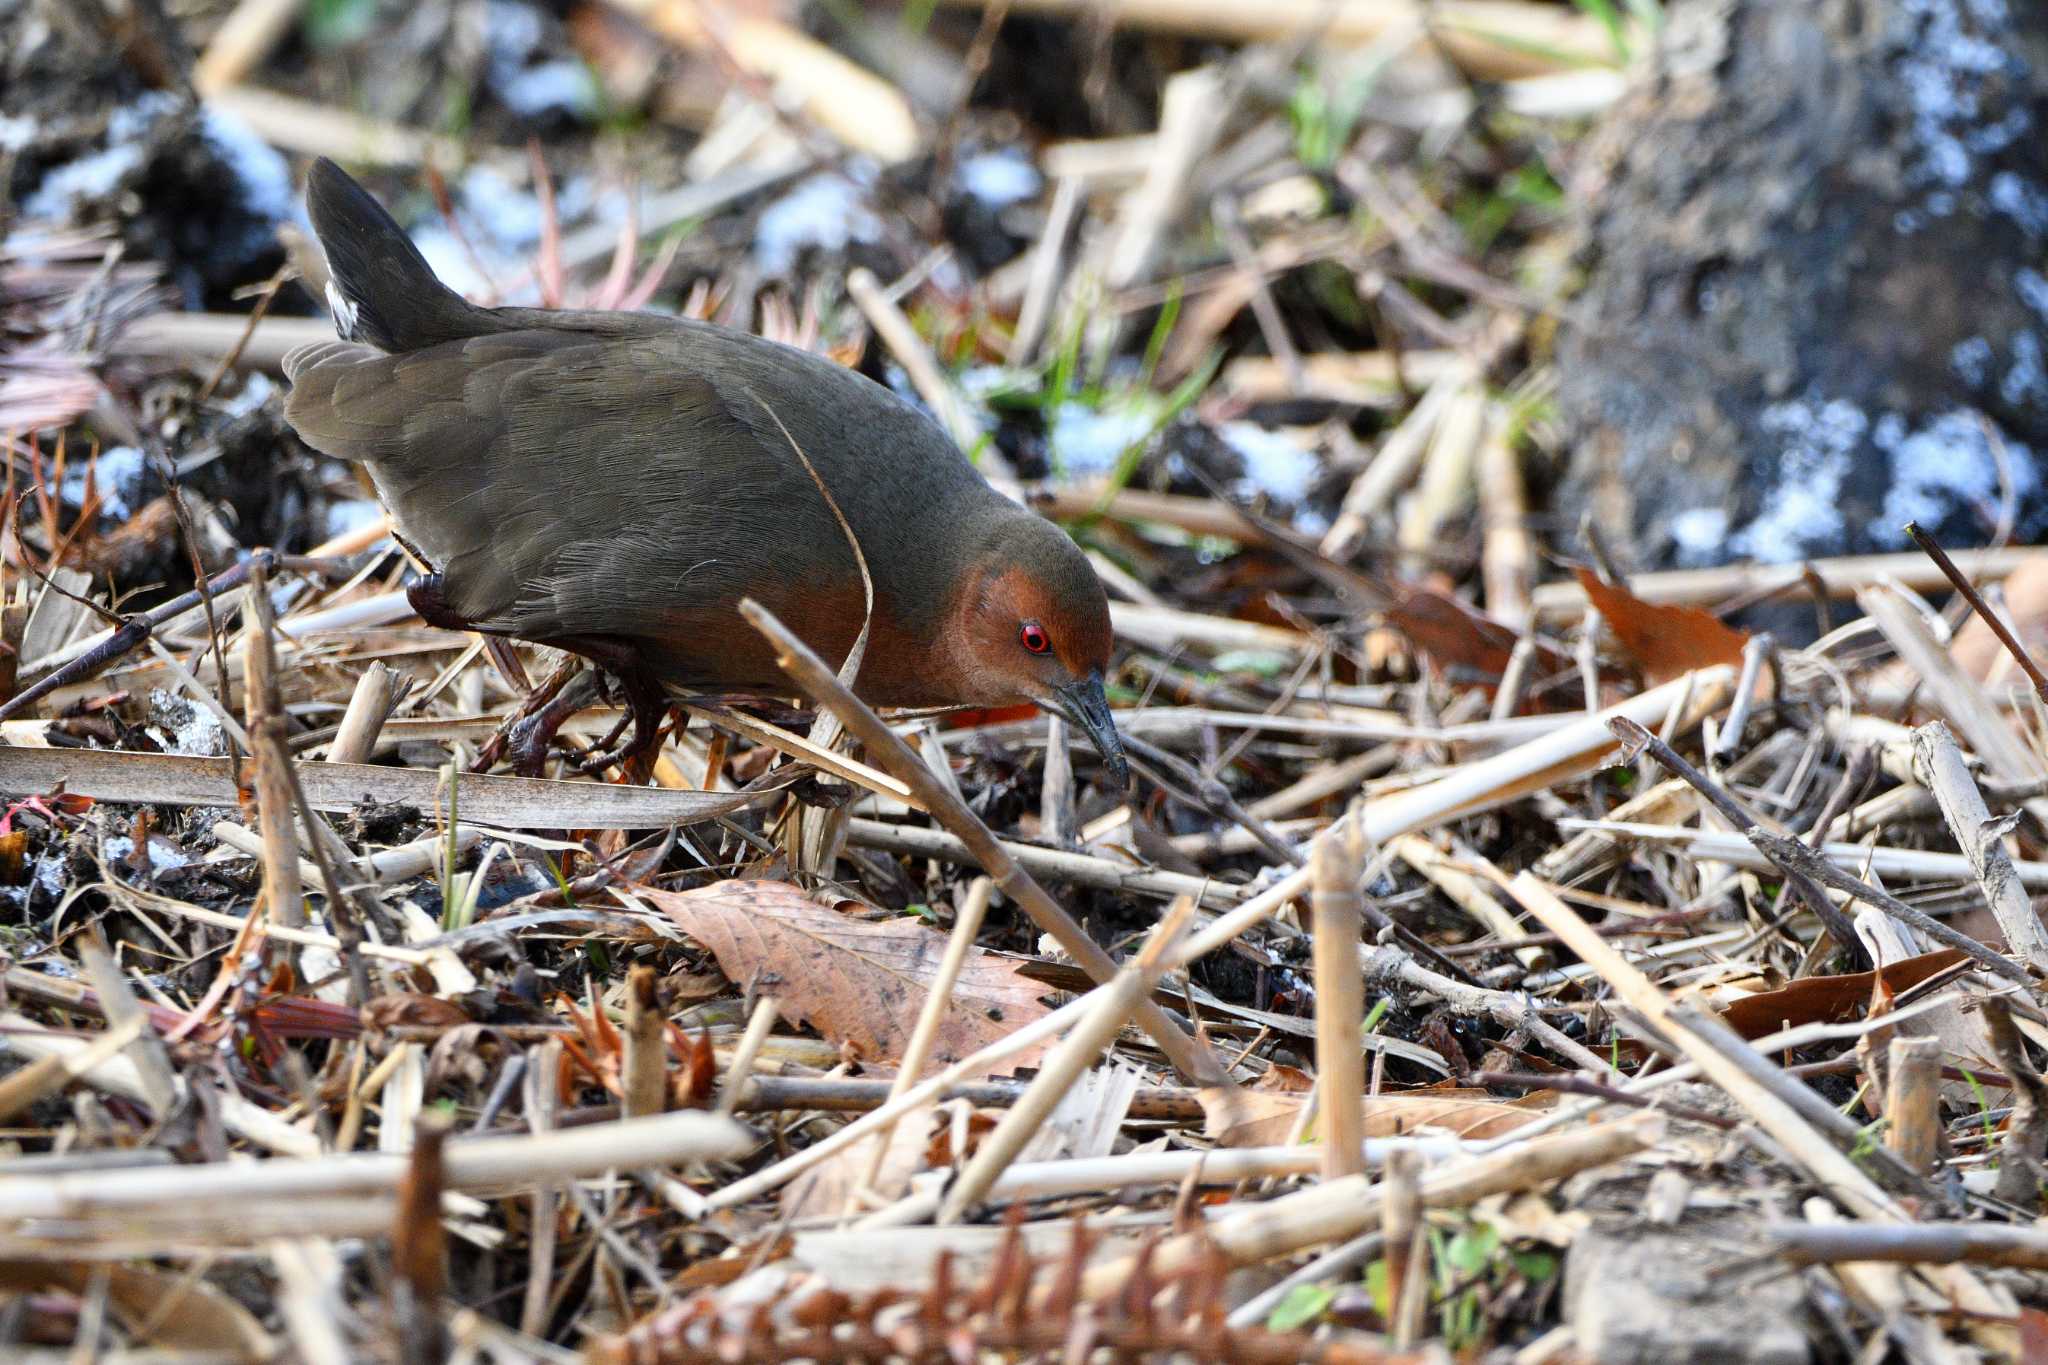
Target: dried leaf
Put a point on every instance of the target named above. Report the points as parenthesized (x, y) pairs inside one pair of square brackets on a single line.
[(174, 1312), (860, 983), (1829, 999), (828, 1189), (405, 1007), (1455, 634), (1664, 640), (1265, 1118)]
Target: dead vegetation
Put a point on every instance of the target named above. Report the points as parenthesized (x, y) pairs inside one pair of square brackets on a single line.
[(1500, 956)]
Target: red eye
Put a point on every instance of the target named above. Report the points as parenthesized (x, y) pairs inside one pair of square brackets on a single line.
[(1034, 638)]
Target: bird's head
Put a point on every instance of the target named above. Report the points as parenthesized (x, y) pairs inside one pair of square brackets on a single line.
[(1030, 623)]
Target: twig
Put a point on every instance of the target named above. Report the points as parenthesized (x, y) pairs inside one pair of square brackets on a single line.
[(281, 888), (2020, 653), (1838, 927), (116, 644), (1982, 840), (938, 997), (2021, 1170)]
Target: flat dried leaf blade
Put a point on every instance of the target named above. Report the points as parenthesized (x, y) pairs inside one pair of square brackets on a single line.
[(860, 983)]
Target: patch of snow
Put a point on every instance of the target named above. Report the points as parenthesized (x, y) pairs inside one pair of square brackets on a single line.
[(1802, 510), (1945, 69), (191, 728), (2027, 380), (1971, 360), (999, 178), (1701, 534), (1274, 464), (559, 86), (2011, 195), (824, 211), (261, 170), (117, 479), (97, 174), (1087, 442), (1948, 463)]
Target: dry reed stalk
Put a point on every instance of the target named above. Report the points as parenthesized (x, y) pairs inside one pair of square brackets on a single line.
[(1912, 1107), (1338, 908), (1491, 39)]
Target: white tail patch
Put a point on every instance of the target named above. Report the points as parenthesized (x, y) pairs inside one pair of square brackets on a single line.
[(344, 312)]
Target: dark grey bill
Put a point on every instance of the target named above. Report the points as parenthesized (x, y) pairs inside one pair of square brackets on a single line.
[(1085, 707)]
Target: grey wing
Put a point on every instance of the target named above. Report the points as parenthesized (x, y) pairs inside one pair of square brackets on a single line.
[(552, 500)]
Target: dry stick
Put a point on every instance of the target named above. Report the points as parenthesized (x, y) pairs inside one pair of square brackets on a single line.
[(1079, 1050), (1338, 909), (1558, 756), (977, 1063), (1838, 926), (1754, 651), (1208, 794), (2021, 655), (644, 1067), (1193, 1059), (1923, 1244), (1056, 812), (737, 1074), (419, 1248), (767, 1094), (470, 1164), (281, 888), (1841, 1178), (118, 1003), (1388, 965), (1070, 866), (1338, 1209), (926, 377), (369, 706), (966, 927), (1912, 1107), (1789, 855), (242, 41), (1573, 1084), (100, 654), (277, 777), (1402, 1226), (2020, 1168), (1944, 772)]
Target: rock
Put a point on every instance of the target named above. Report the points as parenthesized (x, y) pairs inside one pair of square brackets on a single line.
[(1816, 306), (1645, 1296)]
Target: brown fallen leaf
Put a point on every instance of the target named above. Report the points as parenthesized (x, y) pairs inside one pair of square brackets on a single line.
[(1456, 634), (861, 983), (1829, 999), (1665, 640), (828, 1189), (1264, 1118), (174, 1313)]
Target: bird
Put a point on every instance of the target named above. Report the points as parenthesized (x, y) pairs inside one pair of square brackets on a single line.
[(614, 484)]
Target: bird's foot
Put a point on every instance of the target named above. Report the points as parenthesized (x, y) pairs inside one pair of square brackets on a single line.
[(647, 705), (526, 734)]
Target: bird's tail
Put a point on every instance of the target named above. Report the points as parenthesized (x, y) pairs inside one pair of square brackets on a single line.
[(380, 288)]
